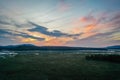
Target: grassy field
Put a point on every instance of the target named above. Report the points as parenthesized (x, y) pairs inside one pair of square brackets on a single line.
[(57, 67)]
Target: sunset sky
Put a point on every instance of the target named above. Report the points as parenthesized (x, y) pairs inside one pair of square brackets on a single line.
[(84, 23)]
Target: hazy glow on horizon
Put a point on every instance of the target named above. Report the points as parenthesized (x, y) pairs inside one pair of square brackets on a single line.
[(88, 23)]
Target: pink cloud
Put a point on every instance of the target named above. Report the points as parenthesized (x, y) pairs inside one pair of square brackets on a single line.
[(87, 19), (99, 30), (63, 6)]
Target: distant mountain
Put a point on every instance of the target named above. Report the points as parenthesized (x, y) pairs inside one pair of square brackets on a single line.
[(22, 47), (114, 47), (16, 47)]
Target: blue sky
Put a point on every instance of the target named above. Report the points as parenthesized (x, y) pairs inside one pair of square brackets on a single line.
[(87, 23)]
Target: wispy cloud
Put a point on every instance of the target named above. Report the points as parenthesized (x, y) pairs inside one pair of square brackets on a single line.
[(63, 6), (45, 31), (60, 22), (17, 34), (4, 20), (103, 28)]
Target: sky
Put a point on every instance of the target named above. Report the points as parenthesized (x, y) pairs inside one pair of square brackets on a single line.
[(81, 23)]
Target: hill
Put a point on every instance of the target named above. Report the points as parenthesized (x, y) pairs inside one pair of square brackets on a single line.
[(33, 47)]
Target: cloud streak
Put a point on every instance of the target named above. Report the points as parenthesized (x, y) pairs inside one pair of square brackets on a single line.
[(18, 34), (71, 22), (4, 20), (63, 6), (45, 31), (100, 30)]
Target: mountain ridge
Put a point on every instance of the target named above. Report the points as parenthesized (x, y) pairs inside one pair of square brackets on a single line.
[(34, 47)]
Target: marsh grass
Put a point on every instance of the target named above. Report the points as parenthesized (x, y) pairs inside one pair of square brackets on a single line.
[(57, 67)]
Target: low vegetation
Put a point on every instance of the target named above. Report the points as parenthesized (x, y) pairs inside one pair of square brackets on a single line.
[(104, 57), (56, 67)]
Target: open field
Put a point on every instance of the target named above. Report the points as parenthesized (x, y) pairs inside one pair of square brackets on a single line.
[(56, 67)]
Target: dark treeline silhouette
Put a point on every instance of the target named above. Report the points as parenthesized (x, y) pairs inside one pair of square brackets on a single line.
[(104, 57)]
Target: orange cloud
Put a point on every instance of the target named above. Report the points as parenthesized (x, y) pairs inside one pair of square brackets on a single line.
[(88, 18), (57, 41), (76, 30), (87, 25), (89, 28), (54, 42), (85, 20), (26, 40), (92, 26), (38, 34), (86, 31), (49, 40), (88, 34)]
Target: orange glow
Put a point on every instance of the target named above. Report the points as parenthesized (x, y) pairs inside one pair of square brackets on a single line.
[(89, 28), (87, 19), (54, 42), (85, 35), (76, 30), (27, 40), (57, 41), (40, 35), (49, 40), (83, 19), (88, 31)]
